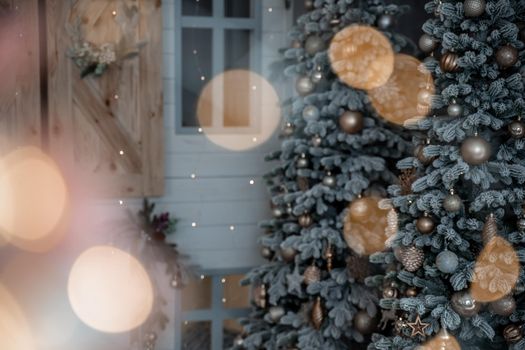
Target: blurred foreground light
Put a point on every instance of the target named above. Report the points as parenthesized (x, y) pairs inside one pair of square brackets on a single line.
[(407, 96), (238, 110), (109, 290), (14, 330), (442, 341), (365, 226), (33, 199), (362, 57), (496, 271)]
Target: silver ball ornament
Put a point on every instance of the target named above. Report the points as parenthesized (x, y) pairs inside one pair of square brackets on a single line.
[(317, 76), (464, 304), (507, 56), (517, 129), (351, 122), (266, 252), (455, 110), (329, 180), (302, 162), (276, 313), (314, 44), (385, 21), (447, 262), (309, 4), (452, 203), (238, 341), (427, 43), (310, 112), (474, 8), (364, 323), (520, 224), (277, 212), (504, 306), (304, 85), (425, 224), (316, 141), (475, 150), (288, 129)]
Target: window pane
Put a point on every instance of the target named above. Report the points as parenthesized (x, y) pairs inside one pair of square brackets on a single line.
[(196, 71), (237, 87), (237, 8), (196, 335), (197, 295), (235, 296), (197, 7)]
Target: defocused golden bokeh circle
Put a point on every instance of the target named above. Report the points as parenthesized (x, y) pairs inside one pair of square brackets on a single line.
[(407, 95), (496, 271), (362, 57), (15, 333), (238, 110), (442, 341), (33, 199), (365, 226), (109, 290)]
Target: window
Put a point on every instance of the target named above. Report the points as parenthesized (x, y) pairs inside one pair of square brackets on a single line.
[(212, 37)]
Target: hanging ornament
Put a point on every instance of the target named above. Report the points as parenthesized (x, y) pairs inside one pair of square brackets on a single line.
[(351, 122), (314, 44), (329, 180), (316, 141), (427, 43), (358, 267), (449, 62), (475, 150), (464, 304), (447, 261), (310, 113), (329, 256), (411, 292), (238, 341), (302, 162), (312, 274), (412, 258), (420, 154), (289, 209), (507, 56), (304, 86), (259, 296), (520, 224), (317, 314), (390, 292), (288, 254), (277, 212), (276, 313), (452, 202), (504, 306), (317, 75), (455, 109), (517, 129), (474, 8), (305, 220), (266, 252), (490, 229), (513, 333), (309, 5), (385, 21), (288, 129), (364, 323), (425, 225), (418, 327), (442, 341)]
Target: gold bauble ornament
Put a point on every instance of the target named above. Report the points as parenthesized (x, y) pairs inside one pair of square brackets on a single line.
[(305, 220), (513, 333), (362, 57), (365, 226), (449, 62)]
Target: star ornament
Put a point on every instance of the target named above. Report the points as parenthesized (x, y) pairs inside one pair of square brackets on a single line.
[(418, 327)]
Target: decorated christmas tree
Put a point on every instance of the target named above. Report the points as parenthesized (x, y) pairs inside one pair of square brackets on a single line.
[(455, 280), (336, 161)]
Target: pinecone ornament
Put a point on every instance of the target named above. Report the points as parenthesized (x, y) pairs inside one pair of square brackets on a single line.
[(317, 315), (412, 258), (312, 274), (490, 229)]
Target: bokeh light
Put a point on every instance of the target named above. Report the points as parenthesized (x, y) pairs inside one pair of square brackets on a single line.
[(365, 226), (442, 341), (496, 271), (238, 110), (109, 290), (362, 57), (15, 333), (407, 96), (33, 199)]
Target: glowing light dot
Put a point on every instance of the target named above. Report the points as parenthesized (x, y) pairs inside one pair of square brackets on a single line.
[(254, 139), (20, 35), (195, 52), (232, 228), (223, 280), (114, 13), (121, 152), (254, 87), (202, 277), (270, 9), (121, 202), (186, 323), (203, 77), (199, 130), (252, 182), (193, 224), (17, 93), (115, 97), (223, 300), (193, 176)]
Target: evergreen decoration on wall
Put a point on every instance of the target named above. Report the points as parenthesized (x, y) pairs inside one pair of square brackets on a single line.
[(468, 284), (336, 160)]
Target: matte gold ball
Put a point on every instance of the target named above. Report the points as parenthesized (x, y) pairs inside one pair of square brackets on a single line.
[(475, 150), (411, 292), (425, 225), (390, 293)]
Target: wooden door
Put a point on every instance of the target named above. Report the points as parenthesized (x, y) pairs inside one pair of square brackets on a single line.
[(109, 128)]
